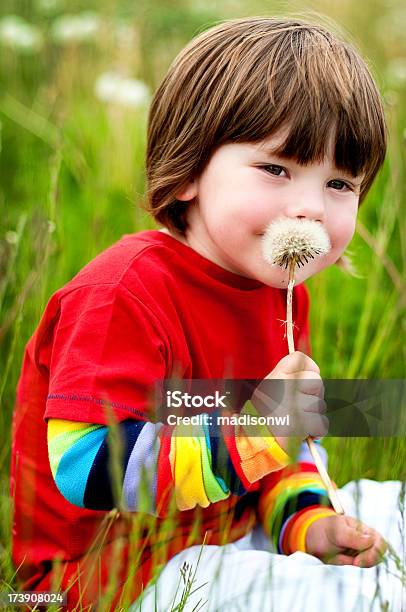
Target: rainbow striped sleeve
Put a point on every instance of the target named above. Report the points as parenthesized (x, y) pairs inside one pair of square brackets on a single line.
[(291, 500), (81, 461), (195, 465)]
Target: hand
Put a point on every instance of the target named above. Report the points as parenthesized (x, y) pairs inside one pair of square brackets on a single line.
[(343, 540), (302, 399)]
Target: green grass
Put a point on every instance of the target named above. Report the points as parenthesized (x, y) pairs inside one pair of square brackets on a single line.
[(72, 182)]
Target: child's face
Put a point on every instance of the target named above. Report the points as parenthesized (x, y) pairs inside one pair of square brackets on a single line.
[(243, 188)]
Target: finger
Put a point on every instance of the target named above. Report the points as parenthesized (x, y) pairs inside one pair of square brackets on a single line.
[(305, 403), (289, 396), (318, 406), (358, 525), (373, 555), (350, 536), (306, 382), (315, 425), (308, 418), (296, 362), (340, 559), (368, 559), (362, 529), (312, 386)]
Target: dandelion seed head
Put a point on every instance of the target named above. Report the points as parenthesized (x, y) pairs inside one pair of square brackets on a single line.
[(298, 240)]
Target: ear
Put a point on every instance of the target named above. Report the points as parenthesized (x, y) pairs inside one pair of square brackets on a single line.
[(187, 192)]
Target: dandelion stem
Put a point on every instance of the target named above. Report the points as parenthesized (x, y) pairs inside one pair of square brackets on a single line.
[(289, 300), (312, 447)]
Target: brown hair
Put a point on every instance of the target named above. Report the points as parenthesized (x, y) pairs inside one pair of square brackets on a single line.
[(244, 79)]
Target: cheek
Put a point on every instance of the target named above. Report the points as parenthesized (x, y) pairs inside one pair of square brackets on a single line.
[(237, 209), (342, 233), (254, 217)]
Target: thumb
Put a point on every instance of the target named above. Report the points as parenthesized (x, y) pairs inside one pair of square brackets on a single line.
[(351, 537), (294, 363)]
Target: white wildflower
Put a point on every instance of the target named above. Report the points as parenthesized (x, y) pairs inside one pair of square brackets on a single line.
[(11, 237), (114, 87), (396, 71), (81, 27), (294, 239), (20, 35), (51, 226), (49, 6)]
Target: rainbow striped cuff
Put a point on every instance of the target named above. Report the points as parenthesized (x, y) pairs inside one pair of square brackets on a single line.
[(293, 535), (259, 452)]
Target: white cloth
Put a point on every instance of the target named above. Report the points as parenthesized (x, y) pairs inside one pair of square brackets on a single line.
[(245, 575)]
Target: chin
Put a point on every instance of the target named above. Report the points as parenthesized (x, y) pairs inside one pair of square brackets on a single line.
[(274, 278), (279, 278)]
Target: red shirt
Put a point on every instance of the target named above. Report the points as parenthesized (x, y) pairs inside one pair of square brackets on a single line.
[(147, 308)]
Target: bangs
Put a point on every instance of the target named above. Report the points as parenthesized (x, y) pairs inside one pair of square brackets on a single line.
[(321, 92), (310, 137)]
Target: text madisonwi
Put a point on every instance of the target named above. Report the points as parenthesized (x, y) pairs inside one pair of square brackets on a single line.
[(234, 419)]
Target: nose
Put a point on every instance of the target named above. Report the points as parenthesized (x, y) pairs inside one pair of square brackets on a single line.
[(307, 203)]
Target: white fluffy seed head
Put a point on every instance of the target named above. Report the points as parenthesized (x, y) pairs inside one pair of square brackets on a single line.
[(294, 240)]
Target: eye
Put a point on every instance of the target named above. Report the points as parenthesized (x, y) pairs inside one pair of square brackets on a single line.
[(274, 169), (339, 185)]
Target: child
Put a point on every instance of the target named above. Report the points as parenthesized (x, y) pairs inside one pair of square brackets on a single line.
[(256, 119)]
